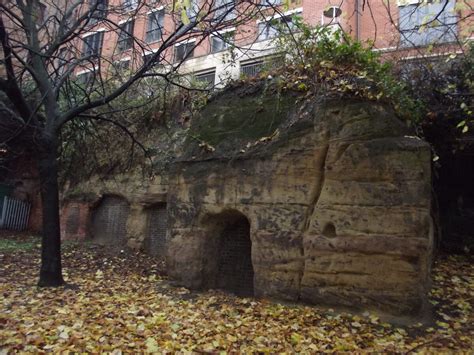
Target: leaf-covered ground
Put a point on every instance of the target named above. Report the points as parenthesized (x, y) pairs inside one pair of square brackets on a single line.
[(121, 304)]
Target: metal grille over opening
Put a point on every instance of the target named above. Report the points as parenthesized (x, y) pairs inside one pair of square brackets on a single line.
[(157, 220), (109, 220), (251, 69), (235, 271)]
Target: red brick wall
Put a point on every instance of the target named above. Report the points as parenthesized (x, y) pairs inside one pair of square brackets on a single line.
[(74, 218), (367, 20)]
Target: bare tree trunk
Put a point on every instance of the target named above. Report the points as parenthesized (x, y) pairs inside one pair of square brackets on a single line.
[(51, 272)]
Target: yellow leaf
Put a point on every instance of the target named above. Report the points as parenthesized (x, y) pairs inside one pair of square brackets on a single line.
[(184, 17), (295, 338), (442, 324), (151, 345)]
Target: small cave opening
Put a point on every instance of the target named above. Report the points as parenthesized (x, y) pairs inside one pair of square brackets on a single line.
[(230, 261), (329, 230)]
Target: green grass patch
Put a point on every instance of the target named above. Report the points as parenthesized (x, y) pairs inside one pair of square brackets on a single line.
[(11, 245)]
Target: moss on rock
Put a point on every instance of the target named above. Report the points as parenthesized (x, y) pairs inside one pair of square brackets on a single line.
[(239, 116)]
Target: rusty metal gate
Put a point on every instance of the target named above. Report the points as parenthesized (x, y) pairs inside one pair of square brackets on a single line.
[(157, 220), (235, 271), (109, 220)]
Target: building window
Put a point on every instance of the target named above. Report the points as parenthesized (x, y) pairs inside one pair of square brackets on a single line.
[(266, 30), (207, 79), (271, 2), (122, 65), (222, 41), (125, 40), (251, 69), (266, 63), (183, 51), (98, 9), (192, 11), (422, 23), (147, 57), (271, 29), (155, 26), (224, 10), (93, 44), (129, 5), (331, 16), (86, 78)]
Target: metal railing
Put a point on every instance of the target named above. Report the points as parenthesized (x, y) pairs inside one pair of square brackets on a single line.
[(251, 69), (14, 214)]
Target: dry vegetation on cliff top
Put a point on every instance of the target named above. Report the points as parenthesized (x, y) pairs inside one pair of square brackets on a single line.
[(121, 304)]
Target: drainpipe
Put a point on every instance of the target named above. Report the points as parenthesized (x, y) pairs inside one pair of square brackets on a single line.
[(357, 20)]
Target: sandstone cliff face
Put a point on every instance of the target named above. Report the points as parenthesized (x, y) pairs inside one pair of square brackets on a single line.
[(140, 194), (337, 197), (280, 197)]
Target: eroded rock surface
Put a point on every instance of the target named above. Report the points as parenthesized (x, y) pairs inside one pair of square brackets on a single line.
[(337, 196)]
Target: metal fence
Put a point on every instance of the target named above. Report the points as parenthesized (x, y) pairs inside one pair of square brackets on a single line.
[(14, 214)]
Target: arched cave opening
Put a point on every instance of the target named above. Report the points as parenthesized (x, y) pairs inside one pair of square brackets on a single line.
[(230, 258), (109, 220)]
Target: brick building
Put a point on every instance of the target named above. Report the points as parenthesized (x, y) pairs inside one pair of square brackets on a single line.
[(401, 27)]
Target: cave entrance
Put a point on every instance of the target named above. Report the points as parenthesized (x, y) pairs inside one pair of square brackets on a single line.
[(109, 221), (157, 219), (234, 256)]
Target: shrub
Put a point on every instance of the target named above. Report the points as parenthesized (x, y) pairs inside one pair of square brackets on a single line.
[(331, 63)]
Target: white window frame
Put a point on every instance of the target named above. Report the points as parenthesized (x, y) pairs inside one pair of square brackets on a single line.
[(413, 37), (268, 27), (185, 42), (159, 28), (221, 13), (129, 5), (270, 3), (218, 35), (100, 44)]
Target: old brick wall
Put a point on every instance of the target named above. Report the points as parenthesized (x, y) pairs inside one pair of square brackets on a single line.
[(75, 216)]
